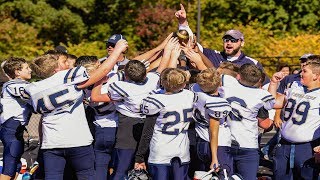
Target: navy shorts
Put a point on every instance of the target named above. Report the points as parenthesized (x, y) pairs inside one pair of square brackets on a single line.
[(204, 154), (81, 159), (246, 162), (103, 147), (299, 157), (11, 135), (175, 170)]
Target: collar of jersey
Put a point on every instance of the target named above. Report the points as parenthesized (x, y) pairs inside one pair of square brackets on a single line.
[(247, 85)]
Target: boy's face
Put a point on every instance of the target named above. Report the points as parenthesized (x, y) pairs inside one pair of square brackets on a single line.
[(307, 76), (63, 63), (25, 72)]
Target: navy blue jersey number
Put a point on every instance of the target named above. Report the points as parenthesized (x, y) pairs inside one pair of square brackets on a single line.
[(235, 113), (301, 111), (187, 117), (42, 108)]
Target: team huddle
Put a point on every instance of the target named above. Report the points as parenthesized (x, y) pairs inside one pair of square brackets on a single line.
[(144, 112)]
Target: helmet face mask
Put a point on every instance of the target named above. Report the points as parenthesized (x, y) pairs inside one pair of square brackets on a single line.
[(138, 175)]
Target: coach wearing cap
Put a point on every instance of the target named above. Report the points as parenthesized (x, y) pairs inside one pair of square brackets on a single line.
[(233, 41), (110, 44)]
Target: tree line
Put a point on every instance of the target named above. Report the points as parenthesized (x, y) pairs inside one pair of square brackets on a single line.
[(271, 27)]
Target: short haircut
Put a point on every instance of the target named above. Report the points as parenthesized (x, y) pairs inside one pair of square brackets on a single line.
[(193, 75), (281, 66), (250, 74), (135, 71), (12, 64), (173, 79), (314, 64), (209, 80), (71, 56), (44, 66), (89, 62), (229, 68), (262, 79), (55, 52)]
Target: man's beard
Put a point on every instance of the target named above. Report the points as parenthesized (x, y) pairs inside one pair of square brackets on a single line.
[(234, 52)]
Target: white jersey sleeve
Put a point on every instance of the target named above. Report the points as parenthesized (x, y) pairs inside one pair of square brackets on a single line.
[(151, 106), (16, 89), (116, 93), (269, 101), (76, 75)]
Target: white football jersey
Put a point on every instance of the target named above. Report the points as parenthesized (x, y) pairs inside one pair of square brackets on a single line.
[(301, 120), (105, 112), (206, 106), (14, 102), (64, 121), (128, 95), (245, 103), (170, 135)]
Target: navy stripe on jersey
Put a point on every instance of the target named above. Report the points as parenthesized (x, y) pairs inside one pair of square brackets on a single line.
[(75, 73), (267, 98), (216, 106), (120, 91), (155, 73), (156, 101), (151, 102), (222, 80), (65, 80), (120, 76)]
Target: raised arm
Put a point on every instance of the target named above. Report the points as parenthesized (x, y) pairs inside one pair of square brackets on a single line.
[(175, 53), (276, 78), (182, 16), (167, 53), (107, 65), (149, 54), (96, 95)]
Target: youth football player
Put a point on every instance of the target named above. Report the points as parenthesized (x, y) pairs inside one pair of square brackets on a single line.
[(300, 129), (209, 113), (59, 98), (169, 147), (15, 115), (246, 100)]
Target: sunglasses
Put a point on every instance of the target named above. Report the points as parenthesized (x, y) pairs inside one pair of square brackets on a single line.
[(231, 40), (110, 44)]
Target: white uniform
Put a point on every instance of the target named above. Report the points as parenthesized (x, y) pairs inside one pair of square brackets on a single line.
[(206, 106), (301, 121), (245, 102), (64, 123), (170, 137), (13, 100), (105, 112), (128, 95)]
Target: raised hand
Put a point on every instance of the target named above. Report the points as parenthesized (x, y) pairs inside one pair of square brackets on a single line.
[(164, 42), (173, 41), (175, 53), (277, 77), (181, 15), (121, 45), (193, 56)]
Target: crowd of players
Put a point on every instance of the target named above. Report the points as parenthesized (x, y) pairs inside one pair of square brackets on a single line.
[(173, 110)]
